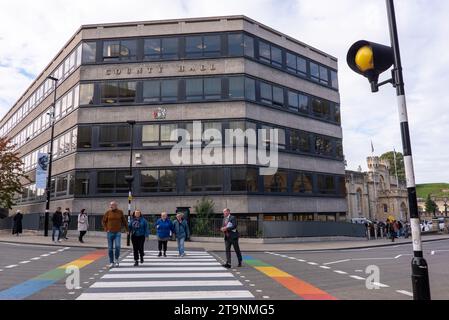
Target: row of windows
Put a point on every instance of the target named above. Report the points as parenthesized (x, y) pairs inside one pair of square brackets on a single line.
[(208, 46), (62, 145), (208, 89), (70, 64), (64, 105), (160, 134), (61, 186), (194, 180)]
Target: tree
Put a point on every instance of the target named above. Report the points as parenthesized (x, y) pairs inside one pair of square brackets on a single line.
[(399, 164), (11, 173), (204, 209), (431, 206)]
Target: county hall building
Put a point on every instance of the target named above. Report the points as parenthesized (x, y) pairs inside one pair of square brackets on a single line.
[(227, 72)]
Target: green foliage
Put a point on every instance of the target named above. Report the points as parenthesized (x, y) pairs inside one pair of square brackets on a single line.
[(399, 164), (434, 189), (203, 223), (431, 206), (11, 174)]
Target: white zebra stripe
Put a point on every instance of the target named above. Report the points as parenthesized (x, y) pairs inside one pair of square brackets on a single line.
[(167, 295), (171, 264), (168, 275), (177, 283)]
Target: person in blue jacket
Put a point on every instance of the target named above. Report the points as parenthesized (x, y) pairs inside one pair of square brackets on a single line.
[(139, 229), (181, 230), (164, 227)]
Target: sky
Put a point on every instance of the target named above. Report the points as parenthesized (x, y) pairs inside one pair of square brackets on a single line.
[(32, 32)]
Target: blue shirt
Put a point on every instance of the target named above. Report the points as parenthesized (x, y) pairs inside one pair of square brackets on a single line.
[(139, 227), (163, 228)]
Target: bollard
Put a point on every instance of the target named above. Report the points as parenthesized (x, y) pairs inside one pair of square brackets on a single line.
[(375, 233)]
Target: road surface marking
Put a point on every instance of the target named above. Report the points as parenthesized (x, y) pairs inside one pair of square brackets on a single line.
[(36, 258), (266, 297), (45, 255), (325, 267), (299, 287), (378, 284), (11, 266), (164, 284), (170, 275), (407, 293), (173, 259), (30, 287), (301, 260), (292, 258), (259, 291), (180, 263), (168, 295), (340, 272), (24, 262), (335, 262), (145, 269), (312, 263), (357, 278)]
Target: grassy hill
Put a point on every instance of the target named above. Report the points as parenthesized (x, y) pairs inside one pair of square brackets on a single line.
[(435, 189)]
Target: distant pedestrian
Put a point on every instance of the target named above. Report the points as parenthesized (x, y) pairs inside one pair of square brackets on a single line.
[(406, 230), (83, 224), (138, 227), (231, 237), (163, 229), (400, 229), (66, 218), (56, 219), (113, 222), (181, 230), (394, 230), (17, 226)]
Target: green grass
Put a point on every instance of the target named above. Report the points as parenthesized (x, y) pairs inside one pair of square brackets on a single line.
[(435, 189)]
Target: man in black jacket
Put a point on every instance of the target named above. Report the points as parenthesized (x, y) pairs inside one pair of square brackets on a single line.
[(56, 219), (231, 237)]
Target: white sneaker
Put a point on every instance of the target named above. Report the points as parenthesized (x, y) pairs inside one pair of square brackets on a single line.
[(116, 264), (59, 240), (111, 265)]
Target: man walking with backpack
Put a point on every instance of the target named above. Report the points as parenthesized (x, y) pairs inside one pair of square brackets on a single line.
[(231, 237), (181, 230)]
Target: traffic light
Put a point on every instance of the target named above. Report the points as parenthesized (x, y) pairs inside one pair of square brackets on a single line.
[(370, 60)]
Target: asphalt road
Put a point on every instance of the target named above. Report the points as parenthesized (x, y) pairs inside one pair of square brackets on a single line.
[(38, 272)]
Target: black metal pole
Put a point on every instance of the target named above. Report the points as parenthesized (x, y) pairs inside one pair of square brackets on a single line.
[(50, 159), (420, 275), (130, 178)]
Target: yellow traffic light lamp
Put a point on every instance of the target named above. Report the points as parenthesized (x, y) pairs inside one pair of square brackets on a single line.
[(370, 60)]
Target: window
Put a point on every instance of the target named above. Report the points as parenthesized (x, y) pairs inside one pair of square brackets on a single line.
[(112, 181), (244, 179), (270, 54), (341, 186), (266, 94), (268, 138), (166, 131), (236, 88), (206, 88), (323, 146), (240, 44), (337, 116), (276, 182), (299, 141), (203, 46), (118, 92), (164, 90), (82, 183), (114, 136), (119, 50), (158, 181), (250, 89), (303, 217), (319, 73), (339, 149), (206, 179), (298, 102), (61, 185), (150, 135), (321, 108), (86, 93), (296, 64), (334, 79), (84, 137), (160, 48), (326, 184), (302, 183)]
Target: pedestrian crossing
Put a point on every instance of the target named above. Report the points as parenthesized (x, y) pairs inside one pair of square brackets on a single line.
[(197, 275)]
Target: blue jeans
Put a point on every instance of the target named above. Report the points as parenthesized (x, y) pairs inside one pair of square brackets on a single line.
[(56, 229), (114, 239), (180, 245)]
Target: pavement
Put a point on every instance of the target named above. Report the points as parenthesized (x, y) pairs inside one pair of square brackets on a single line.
[(99, 242)]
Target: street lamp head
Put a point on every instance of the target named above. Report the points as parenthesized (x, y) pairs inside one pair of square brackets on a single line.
[(131, 122), (53, 78)]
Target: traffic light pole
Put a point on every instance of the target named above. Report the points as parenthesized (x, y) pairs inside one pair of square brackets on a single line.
[(420, 275)]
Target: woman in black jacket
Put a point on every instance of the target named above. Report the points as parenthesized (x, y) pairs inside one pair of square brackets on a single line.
[(17, 225)]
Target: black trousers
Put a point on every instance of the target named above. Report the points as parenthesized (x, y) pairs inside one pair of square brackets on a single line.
[(162, 245), (82, 234), (138, 246), (235, 243)]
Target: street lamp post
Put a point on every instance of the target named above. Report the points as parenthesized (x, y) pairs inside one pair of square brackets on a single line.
[(130, 178), (50, 158), (420, 275)]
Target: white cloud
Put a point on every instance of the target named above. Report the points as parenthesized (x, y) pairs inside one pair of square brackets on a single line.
[(31, 33)]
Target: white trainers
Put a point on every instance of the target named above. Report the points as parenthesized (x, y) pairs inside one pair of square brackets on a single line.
[(116, 264), (111, 265)]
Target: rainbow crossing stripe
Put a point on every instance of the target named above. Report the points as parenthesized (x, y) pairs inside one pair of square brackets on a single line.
[(297, 286), (30, 287)]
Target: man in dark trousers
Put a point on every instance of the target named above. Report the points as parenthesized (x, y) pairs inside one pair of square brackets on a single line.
[(231, 237), (57, 224)]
